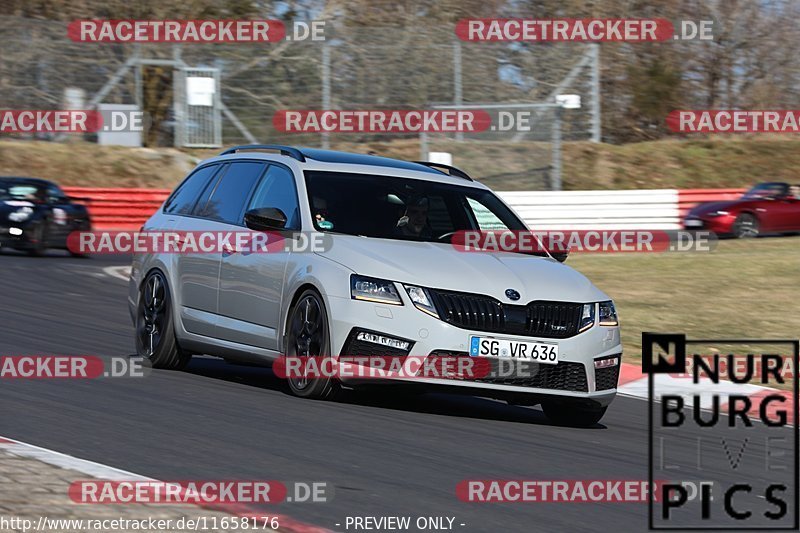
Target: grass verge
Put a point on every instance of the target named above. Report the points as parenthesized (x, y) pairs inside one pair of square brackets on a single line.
[(742, 289)]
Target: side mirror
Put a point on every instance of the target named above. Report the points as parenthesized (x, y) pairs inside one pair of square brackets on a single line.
[(560, 256), (265, 219)]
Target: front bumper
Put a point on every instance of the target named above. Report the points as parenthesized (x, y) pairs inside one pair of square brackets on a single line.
[(574, 376), (14, 235), (721, 225)]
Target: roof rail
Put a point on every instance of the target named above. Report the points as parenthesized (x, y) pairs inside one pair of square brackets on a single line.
[(284, 150), (452, 171)]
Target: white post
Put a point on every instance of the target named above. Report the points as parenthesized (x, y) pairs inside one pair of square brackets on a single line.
[(595, 107), (458, 97), (326, 90)]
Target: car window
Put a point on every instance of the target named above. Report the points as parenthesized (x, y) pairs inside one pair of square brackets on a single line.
[(486, 220), (55, 194), (392, 207), (277, 189), (232, 191), (184, 198), (767, 190), (21, 190), (209, 190), (439, 217)]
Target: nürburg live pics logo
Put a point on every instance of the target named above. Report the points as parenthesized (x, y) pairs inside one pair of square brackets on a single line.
[(723, 435)]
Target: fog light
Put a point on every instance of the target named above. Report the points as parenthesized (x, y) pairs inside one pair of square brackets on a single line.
[(383, 340), (606, 362), (15, 231)]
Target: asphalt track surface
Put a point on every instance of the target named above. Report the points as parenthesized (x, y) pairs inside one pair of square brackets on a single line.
[(383, 454)]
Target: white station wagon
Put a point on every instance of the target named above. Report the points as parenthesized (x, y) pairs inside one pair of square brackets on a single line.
[(389, 283)]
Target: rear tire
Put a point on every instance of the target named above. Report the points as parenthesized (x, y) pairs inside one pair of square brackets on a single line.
[(745, 226), (155, 328), (308, 334), (574, 415)]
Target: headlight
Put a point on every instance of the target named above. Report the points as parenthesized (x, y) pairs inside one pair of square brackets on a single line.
[(608, 314), (587, 317), (422, 299), (374, 290), (20, 215)]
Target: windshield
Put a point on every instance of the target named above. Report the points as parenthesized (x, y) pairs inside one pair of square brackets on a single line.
[(20, 190), (402, 208), (767, 190)]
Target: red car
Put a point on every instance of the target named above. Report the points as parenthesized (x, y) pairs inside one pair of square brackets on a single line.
[(766, 208)]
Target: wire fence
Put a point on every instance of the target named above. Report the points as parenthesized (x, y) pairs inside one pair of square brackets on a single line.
[(361, 68)]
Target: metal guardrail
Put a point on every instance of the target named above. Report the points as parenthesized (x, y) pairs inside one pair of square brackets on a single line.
[(112, 208), (592, 210)]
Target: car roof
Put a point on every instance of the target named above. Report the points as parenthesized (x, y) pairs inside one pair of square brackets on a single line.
[(349, 158), (337, 161), (22, 179)]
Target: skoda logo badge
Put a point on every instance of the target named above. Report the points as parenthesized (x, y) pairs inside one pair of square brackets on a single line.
[(511, 294)]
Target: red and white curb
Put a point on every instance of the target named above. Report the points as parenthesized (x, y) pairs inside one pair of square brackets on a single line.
[(105, 472), (633, 383)]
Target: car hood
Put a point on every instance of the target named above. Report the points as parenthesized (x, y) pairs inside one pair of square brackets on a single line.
[(10, 206), (711, 207), (441, 266)]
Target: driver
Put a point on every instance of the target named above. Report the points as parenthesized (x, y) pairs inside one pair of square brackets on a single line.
[(414, 222)]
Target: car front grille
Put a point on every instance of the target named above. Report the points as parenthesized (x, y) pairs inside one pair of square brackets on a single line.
[(557, 320), (565, 376)]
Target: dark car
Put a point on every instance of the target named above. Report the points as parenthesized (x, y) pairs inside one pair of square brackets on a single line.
[(36, 214), (766, 208)]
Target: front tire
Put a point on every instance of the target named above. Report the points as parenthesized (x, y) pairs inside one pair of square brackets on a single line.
[(38, 246), (308, 335), (155, 329), (745, 226), (71, 251), (574, 415)]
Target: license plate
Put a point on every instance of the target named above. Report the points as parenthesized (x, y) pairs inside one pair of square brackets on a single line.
[(539, 352), (693, 223)]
